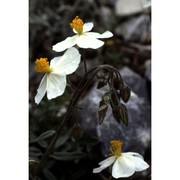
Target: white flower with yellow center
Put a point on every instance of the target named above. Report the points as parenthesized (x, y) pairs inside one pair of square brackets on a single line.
[(54, 81), (124, 164), (83, 38)]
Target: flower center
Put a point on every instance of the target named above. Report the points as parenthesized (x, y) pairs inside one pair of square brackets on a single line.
[(115, 148), (77, 24), (42, 65)]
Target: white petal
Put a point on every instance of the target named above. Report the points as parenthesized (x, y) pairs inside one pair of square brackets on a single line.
[(123, 168), (134, 154), (56, 85), (87, 27), (106, 34), (107, 162), (99, 169), (67, 43), (92, 34), (85, 41), (41, 89), (67, 63), (104, 164), (54, 61), (138, 161)]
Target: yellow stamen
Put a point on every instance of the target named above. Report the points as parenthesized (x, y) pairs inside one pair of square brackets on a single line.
[(42, 65), (77, 24), (116, 147)]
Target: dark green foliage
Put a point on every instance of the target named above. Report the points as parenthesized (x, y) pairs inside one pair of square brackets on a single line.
[(103, 106), (68, 156), (63, 139), (33, 151), (48, 175), (44, 135), (125, 93)]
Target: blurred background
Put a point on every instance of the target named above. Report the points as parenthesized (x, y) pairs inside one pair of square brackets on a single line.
[(83, 143)]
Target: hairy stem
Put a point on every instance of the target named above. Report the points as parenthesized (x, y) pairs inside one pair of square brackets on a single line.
[(80, 89)]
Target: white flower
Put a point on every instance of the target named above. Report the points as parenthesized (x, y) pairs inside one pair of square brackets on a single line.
[(83, 38), (54, 81), (124, 164)]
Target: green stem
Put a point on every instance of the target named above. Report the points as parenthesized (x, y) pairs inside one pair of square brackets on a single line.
[(80, 89), (84, 61), (71, 84)]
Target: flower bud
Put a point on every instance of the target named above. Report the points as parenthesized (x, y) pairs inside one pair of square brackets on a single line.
[(125, 93)]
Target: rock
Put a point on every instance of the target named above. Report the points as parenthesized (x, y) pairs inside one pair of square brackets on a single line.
[(144, 49), (130, 7), (148, 70), (136, 136), (106, 12), (148, 77), (135, 82), (136, 29)]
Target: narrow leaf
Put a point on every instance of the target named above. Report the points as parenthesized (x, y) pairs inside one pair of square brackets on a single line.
[(34, 151), (48, 175), (45, 135), (68, 156), (62, 139), (43, 143)]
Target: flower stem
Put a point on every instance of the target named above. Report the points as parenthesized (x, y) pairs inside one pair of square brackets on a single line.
[(84, 83), (71, 84), (84, 61)]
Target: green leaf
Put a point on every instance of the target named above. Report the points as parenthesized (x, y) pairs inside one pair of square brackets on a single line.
[(43, 144), (48, 175), (34, 151), (44, 135), (62, 139), (68, 156)]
